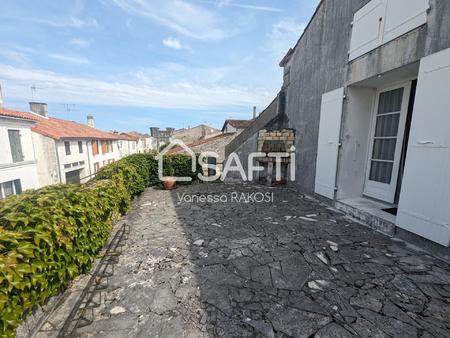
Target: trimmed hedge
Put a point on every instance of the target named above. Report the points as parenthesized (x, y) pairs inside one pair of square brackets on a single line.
[(50, 235)]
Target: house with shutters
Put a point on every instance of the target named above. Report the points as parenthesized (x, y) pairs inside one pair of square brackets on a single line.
[(65, 151), (17, 159), (366, 92)]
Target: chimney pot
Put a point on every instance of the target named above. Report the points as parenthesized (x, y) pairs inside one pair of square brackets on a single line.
[(254, 112), (39, 108), (91, 121)]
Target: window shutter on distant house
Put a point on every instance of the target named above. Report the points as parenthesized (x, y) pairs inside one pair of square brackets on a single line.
[(94, 148), (15, 145)]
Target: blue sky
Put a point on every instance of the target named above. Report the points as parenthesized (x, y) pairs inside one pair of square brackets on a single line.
[(140, 63)]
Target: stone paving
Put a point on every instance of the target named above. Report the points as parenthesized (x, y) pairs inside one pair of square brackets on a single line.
[(292, 268)]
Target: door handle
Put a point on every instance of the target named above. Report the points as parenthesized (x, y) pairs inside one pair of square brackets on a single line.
[(425, 142)]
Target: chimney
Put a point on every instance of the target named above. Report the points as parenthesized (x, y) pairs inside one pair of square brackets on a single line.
[(91, 121), (39, 108), (254, 112), (1, 96)]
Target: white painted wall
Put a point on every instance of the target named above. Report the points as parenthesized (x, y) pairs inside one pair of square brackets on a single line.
[(25, 171), (229, 129), (73, 159), (46, 160), (102, 159)]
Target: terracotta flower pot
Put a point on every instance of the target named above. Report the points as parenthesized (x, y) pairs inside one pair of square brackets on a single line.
[(170, 183)]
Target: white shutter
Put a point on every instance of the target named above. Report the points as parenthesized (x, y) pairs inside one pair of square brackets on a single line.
[(381, 21), (328, 147), (425, 197), (403, 16), (367, 31)]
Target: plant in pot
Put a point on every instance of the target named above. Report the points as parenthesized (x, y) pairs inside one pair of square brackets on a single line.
[(170, 181)]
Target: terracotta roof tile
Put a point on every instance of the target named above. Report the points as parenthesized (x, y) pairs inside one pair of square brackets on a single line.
[(17, 114), (239, 124), (58, 128), (200, 142)]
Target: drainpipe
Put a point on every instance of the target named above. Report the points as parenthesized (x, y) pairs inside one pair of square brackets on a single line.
[(58, 161), (89, 158)]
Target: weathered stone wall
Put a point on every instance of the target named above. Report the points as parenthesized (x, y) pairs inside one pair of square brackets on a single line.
[(285, 135)]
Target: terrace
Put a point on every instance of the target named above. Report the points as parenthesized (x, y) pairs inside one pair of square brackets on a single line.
[(291, 268)]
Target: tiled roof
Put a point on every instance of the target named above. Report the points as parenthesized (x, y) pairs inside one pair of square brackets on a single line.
[(58, 128), (128, 137), (200, 142), (238, 124), (17, 114)]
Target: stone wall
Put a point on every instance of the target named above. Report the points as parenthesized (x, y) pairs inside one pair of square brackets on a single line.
[(287, 136)]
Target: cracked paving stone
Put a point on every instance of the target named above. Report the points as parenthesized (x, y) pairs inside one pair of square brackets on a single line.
[(296, 323)]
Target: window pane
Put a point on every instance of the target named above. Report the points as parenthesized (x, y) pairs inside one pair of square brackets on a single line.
[(384, 149), (15, 145), (18, 186), (8, 188), (381, 172), (387, 125), (391, 101), (67, 146)]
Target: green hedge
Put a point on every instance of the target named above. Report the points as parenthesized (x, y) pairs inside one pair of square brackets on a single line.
[(50, 235)]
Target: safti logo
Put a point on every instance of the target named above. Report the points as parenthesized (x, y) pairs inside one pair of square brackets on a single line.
[(232, 164)]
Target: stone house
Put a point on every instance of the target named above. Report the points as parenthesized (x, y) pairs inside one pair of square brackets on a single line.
[(194, 134), (161, 137), (214, 144), (17, 159), (366, 91), (235, 126)]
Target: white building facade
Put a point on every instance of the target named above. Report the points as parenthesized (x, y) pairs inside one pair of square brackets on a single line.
[(17, 159)]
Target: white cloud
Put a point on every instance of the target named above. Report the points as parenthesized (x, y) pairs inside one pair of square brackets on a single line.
[(79, 60), (284, 35), (178, 15), (172, 43), (231, 3), (65, 22), (78, 42), (84, 90), (14, 56)]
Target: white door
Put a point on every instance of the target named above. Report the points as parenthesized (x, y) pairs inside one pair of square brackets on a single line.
[(328, 145), (388, 127), (424, 206)]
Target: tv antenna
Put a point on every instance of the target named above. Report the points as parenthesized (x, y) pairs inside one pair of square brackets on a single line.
[(33, 91), (69, 108)]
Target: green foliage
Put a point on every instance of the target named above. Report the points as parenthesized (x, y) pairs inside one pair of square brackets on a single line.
[(180, 165), (50, 235)]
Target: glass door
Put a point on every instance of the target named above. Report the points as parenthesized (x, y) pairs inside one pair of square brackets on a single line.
[(386, 143)]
